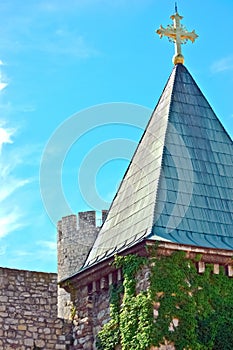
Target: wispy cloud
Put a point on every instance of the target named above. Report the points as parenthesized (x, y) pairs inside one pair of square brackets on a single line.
[(64, 42), (38, 255), (44, 26), (11, 219), (23, 253), (222, 65), (5, 136), (3, 82), (8, 108), (39, 30), (52, 246), (12, 158), (2, 86), (11, 186), (12, 214)]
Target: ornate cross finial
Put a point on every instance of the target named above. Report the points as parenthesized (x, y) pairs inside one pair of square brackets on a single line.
[(178, 34)]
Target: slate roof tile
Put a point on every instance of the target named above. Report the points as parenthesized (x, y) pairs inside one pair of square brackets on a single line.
[(179, 185)]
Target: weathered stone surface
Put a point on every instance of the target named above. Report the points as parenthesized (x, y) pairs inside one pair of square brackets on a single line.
[(28, 300), (28, 311), (75, 237)]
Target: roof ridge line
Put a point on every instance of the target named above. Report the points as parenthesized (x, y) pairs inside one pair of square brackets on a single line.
[(174, 71)]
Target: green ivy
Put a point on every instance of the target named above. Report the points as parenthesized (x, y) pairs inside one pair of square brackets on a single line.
[(201, 304), (109, 336)]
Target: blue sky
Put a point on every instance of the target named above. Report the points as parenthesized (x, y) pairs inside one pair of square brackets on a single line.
[(59, 58)]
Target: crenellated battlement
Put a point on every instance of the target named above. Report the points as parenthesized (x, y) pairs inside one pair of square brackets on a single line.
[(75, 236), (84, 221)]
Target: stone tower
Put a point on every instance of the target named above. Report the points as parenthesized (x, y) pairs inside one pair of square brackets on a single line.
[(75, 237)]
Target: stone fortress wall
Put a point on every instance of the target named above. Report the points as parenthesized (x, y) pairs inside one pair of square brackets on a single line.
[(34, 311), (28, 311), (37, 314)]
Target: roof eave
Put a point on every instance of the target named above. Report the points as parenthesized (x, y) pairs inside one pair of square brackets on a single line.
[(104, 267)]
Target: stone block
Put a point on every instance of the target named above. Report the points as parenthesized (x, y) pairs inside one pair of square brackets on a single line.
[(28, 342), (40, 343), (3, 299), (22, 327), (60, 347)]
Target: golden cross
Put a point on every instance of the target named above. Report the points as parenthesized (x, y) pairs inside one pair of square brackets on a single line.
[(178, 34)]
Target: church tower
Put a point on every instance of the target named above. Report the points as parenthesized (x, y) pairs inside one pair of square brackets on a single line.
[(176, 197)]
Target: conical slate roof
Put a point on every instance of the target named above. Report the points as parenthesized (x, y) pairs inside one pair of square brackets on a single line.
[(179, 184)]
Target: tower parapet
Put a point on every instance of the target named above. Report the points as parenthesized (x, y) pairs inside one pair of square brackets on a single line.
[(75, 237)]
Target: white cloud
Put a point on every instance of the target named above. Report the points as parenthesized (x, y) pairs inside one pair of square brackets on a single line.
[(37, 29), (22, 253), (11, 186), (222, 65), (66, 43), (12, 214), (7, 108), (10, 220), (48, 244), (47, 39), (3, 79), (5, 136), (2, 86)]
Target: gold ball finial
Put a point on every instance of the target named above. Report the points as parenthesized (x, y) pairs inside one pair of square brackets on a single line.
[(178, 59)]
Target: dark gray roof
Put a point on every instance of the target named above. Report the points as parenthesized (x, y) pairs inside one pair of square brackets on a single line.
[(179, 184)]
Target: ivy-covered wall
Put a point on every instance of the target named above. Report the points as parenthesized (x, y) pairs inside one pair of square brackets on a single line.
[(177, 307)]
